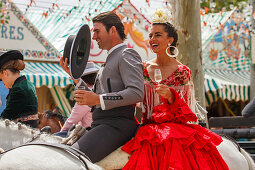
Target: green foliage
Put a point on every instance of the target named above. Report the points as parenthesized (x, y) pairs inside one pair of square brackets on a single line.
[(224, 4)]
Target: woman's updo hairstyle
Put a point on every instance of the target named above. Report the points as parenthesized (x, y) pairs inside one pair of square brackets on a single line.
[(12, 60), (14, 66)]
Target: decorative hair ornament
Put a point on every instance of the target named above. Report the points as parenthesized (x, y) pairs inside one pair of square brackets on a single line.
[(161, 16), (176, 51)]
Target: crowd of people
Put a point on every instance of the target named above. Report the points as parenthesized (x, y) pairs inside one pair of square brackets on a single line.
[(168, 136)]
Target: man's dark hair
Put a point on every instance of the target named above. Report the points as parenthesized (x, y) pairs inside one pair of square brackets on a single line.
[(110, 19)]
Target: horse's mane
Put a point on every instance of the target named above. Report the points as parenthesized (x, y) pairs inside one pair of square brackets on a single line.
[(13, 134), (50, 114), (18, 126)]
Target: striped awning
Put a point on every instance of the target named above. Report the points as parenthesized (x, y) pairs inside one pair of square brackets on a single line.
[(226, 84), (61, 101), (61, 23), (48, 74)]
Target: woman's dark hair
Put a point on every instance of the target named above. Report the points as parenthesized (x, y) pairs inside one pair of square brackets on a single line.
[(171, 32), (110, 19), (14, 66), (89, 78)]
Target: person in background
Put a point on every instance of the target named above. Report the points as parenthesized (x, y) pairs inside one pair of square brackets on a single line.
[(81, 114), (21, 102), (169, 137), (118, 87)]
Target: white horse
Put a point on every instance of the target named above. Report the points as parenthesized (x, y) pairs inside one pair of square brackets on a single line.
[(15, 134), (34, 157), (43, 157)]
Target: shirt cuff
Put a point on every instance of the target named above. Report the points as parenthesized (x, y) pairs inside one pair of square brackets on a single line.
[(102, 101)]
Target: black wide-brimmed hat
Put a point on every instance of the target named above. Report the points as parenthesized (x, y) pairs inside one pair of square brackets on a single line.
[(77, 50), (8, 56)]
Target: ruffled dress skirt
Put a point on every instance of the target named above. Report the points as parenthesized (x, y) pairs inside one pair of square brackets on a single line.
[(168, 142)]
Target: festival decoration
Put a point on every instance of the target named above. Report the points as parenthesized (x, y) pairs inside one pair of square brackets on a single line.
[(148, 2), (206, 10), (213, 54), (161, 16), (4, 14)]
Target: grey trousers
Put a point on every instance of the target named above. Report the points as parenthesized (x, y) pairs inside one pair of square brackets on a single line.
[(100, 141)]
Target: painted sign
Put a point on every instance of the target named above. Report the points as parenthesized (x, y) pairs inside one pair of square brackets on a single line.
[(230, 47), (19, 34), (136, 29), (15, 35)]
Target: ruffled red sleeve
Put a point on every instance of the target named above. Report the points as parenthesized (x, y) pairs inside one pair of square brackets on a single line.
[(178, 112)]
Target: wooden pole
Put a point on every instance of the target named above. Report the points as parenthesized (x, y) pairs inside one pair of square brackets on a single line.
[(186, 18), (252, 63)]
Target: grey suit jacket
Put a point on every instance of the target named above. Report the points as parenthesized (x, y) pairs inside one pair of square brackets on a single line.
[(121, 81)]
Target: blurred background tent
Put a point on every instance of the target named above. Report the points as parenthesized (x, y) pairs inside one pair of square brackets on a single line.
[(225, 39)]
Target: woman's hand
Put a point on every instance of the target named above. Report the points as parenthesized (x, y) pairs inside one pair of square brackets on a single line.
[(64, 65), (164, 91)]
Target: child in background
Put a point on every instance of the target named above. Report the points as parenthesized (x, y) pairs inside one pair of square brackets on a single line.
[(81, 114)]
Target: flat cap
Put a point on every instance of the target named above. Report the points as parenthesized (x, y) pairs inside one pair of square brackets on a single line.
[(10, 55)]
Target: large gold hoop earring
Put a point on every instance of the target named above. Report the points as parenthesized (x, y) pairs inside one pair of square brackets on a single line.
[(175, 49)]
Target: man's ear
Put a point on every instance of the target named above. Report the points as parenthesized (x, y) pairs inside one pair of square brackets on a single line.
[(113, 29)]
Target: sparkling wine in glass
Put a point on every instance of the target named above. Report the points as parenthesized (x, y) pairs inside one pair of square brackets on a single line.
[(157, 75)]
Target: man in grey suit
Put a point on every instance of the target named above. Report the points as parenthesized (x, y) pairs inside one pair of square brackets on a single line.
[(118, 87)]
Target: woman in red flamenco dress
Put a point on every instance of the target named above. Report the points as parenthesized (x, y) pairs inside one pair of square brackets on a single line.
[(170, 139)]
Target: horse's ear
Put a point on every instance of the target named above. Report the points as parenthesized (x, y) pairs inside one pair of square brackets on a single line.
[(56, 110)]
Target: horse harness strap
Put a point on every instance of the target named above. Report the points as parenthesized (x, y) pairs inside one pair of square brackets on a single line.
[(27, 118), (73, 151)]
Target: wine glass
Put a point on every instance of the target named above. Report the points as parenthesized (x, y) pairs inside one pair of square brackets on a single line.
[(157, 75)]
